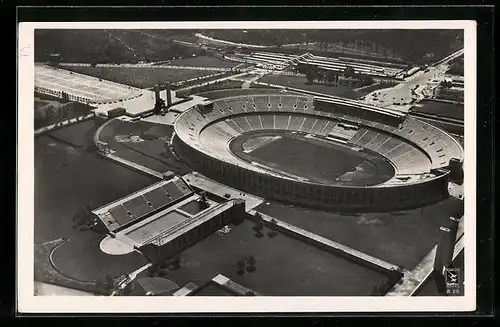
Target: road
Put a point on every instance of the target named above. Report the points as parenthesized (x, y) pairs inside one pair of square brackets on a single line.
[(414, 88), (217, 41)]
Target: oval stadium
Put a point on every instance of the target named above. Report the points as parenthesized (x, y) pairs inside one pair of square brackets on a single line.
[(333, 153)]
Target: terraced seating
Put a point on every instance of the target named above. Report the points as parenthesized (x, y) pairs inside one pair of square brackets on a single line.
[(438, 145), (363, 136), (235, 106), (295, 122), (327, 128), (243, 124), (398, 150), (286, 112), (226, 130), (301, 104), (255, 121), (275, 101), (388, 145), (281, 121), (308, 124), (267, 121), (213, 139), (411, 162), (287, 102), (231, 123), (340, 132), (319, 125), (261, 103)]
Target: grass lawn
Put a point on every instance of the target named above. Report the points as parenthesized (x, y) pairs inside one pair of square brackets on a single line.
[(66, 180), (284, 266), (300, 83), (151, 152), (401, 238), (204, 61), (441, 109), (142, 77)]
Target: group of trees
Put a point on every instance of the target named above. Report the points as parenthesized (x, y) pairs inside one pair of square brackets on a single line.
[(446, 84), (112, 46), (331, 77), (54, 113), (247, 264), (84, 220), (161, 269), (259, 226), (457, 67)]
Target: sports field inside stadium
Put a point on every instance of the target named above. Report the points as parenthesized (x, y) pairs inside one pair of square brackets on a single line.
[(315, 160)]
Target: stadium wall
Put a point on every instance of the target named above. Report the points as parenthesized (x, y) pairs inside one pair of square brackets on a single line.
[(331, 197)]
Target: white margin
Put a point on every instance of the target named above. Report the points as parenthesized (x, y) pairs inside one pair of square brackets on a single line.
[(28, 303)]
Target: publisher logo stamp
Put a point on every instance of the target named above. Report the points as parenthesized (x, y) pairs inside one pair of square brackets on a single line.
[(452, 280)]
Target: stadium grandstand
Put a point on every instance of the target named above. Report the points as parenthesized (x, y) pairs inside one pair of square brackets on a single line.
[(165, 217), (402, 160)]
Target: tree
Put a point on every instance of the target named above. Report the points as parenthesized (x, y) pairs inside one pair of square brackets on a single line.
[(108, 283), (203, 201), (273, 227), (159, 106), (175, 263), (251, 264), (349, 72), (366, 80), (241, 267), (84, 219), (309, 77), (330, 77), (49, 115), (259, 224)]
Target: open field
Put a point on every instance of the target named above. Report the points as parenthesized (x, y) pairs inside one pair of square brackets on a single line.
[(203, 61), (142, 77), (401, 238), (284, 266), (67, 179), (149, 150), (441, 109), (299, 82)]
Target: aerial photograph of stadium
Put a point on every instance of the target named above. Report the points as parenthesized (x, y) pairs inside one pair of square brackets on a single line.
[(259, 162)]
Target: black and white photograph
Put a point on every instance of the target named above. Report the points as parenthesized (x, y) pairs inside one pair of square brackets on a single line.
[(317, 166)]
